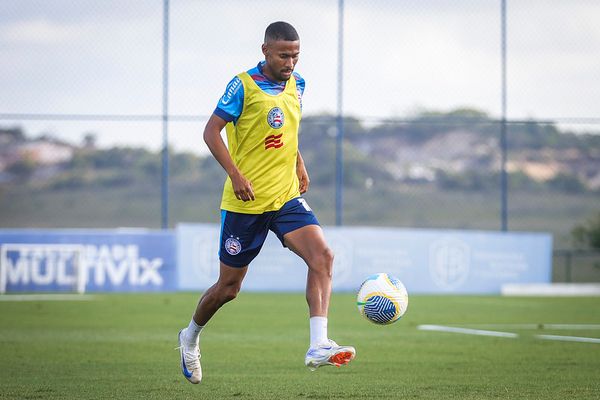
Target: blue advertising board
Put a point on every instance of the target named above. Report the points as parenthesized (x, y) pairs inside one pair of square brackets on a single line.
[(93, 260), (427, 261)]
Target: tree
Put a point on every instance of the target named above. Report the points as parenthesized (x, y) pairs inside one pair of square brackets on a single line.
[(588, 233), (90, 139), (11, 135), (23, 168)]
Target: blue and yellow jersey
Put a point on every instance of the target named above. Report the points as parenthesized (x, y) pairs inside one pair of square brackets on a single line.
[(231, 103), (263, 142)]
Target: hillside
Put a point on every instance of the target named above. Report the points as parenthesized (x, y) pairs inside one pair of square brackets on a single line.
[(434, 170), (455, 150)]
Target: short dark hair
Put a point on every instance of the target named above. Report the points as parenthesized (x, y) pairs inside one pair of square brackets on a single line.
[(281, 31)]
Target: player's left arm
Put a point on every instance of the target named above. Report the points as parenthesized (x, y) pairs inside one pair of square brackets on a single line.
[(300, 167), (302, 174)]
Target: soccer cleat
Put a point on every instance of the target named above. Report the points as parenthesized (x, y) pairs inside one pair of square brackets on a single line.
[(190, 360), (329, 354)]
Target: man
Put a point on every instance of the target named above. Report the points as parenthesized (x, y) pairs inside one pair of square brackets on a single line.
[(261, 110)]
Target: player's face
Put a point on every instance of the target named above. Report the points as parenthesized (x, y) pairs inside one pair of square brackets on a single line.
[(281, 57)]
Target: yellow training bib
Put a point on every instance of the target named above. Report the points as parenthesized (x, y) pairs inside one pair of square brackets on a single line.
[(264, 145)]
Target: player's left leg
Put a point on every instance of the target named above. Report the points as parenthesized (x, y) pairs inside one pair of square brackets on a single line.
[(309, 243), (298, 229)]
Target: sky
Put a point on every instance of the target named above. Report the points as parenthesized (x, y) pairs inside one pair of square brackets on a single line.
[(400, 57)]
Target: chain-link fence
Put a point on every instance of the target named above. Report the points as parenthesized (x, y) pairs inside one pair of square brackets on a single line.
[(83, 111)]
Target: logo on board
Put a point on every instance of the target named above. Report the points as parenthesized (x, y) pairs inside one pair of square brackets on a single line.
[(449, 262)]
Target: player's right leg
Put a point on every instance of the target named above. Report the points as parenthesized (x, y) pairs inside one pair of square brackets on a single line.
[(224, 290), (242, 236)]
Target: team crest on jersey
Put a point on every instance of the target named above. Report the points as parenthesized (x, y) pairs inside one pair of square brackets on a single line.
[(233, 246), (275, 118)]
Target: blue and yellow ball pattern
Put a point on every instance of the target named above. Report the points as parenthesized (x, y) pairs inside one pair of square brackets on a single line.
[(382, 299), (380, 309)]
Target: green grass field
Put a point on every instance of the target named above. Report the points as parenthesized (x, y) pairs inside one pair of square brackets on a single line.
[(122, 346)]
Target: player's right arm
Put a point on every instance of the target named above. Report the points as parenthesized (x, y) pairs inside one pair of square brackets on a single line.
[(242, 187)]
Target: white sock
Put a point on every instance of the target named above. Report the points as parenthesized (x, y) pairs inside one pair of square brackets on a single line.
[(192, 332), (318, 331)]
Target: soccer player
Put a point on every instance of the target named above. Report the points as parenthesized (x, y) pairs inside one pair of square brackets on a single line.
[(261, 111)]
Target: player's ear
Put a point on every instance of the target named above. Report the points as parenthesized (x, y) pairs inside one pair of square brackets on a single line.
[(265, 49)]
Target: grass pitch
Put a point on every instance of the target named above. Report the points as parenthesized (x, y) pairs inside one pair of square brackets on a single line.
[(122, 346)]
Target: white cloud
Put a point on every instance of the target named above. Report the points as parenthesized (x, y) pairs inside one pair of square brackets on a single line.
[(39, 31)]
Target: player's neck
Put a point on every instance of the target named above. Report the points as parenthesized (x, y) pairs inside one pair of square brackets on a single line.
[(267, 74)]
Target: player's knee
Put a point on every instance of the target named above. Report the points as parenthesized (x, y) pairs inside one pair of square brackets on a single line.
[(323, 262), (229, 292), (328, 257)]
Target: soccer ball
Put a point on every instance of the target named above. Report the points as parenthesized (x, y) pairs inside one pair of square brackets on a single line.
[(382, 299)]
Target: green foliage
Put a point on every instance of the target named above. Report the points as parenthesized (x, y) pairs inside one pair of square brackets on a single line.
[(474, 180), (567, 183), (23, 168), (373, 161), (12, 135), (368, 152), (72, 180), (533, 136), (519, 181), (318, 148), (588, 233), (470, 180), (183, 163), (114, 167), (426, 125)]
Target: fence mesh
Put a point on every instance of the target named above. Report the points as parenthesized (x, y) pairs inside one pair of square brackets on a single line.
[(81, 110)]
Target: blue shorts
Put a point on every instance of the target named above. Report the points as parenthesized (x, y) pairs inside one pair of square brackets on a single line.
[(243, 235)]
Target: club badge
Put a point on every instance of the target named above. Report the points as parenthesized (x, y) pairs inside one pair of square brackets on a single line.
[(233, 246), (275, 118)]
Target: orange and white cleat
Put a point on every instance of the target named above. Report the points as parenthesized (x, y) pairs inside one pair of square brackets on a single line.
[(329, 354)]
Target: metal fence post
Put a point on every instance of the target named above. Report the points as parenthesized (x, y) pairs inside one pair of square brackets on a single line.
[(339, 197), (165, 121), (503, 139), (568, 266)]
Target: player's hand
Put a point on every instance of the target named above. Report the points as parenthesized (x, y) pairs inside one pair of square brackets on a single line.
[(303, 178), (242, 187)]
